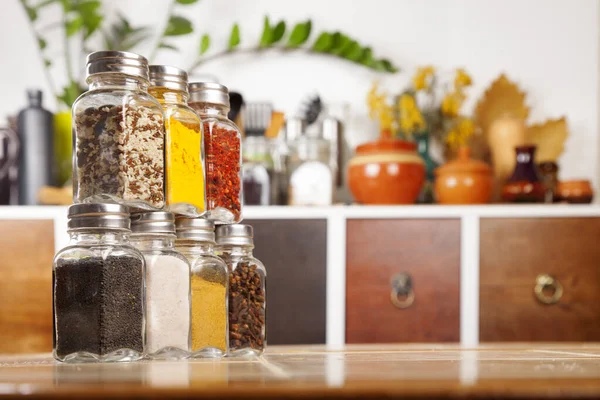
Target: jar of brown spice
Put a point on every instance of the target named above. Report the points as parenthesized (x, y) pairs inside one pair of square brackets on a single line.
[(247, 283), (222, 149)]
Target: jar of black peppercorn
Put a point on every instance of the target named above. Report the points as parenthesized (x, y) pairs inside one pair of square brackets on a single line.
[(247, 283), (98, 286)]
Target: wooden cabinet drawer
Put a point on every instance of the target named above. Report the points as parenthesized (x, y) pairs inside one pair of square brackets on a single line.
[(429, 252), (513, 252), (26, 286), (295, 255)]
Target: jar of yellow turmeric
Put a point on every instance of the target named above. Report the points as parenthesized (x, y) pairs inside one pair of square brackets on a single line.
[(184, 147)]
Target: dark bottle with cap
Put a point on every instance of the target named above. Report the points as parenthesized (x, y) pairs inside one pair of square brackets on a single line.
[(36, 152), (247, 283), (257, 171)]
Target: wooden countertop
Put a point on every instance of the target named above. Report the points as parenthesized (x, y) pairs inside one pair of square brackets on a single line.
[(409, 371)]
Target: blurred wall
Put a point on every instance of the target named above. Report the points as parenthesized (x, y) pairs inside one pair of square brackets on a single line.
[(550, 47)]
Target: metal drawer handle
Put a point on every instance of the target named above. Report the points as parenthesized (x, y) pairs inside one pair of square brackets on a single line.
[(543, 282), (402, 286)]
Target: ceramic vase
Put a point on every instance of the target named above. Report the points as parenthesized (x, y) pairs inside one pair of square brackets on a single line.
[(524, 185), (464, 180), (386, 172)]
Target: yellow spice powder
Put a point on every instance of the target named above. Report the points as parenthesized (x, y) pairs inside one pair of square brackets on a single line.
[(209, 315), (185, 175)]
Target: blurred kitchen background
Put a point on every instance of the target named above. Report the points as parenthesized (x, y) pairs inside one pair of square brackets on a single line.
[(355, 102)]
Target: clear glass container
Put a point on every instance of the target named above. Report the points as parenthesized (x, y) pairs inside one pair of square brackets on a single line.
[(247, 297), (98, 288), (167, 286), (184, 148), (118, 134), (260, 188), (210, 283), (311, 178), (222, 150)]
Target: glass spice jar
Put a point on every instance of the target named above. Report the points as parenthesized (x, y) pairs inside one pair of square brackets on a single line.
[(257, 171), (118, 134), (222, 149), (98, 288), (210, 282), (167, 285), (184, 148), (311, 178), (247, 284)]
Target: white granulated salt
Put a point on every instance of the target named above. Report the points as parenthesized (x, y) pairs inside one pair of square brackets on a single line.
[(167, 305)]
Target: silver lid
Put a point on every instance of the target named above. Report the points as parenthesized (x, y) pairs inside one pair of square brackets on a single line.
[(98, 215), (121, 62), (153, 222), (209, 92), (198, 229), (236, 235), (168, 77)]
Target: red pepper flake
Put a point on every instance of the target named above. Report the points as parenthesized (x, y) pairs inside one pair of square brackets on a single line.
[(222, 148)]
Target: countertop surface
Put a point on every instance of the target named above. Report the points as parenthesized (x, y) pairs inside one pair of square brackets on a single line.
[(408, 371)]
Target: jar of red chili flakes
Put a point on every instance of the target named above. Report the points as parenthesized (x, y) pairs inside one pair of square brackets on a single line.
[(222, 150)]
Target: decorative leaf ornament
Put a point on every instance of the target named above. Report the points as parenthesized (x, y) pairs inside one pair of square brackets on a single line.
[(549, 138)]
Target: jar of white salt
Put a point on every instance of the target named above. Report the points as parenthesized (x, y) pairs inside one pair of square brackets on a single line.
[(168, 300)]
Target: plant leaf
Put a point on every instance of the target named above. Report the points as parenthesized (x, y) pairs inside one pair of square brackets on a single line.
[(122, 36), (204, 44), (367, 59), (73, 26), (340, 42), (278, 32), (42, 43), (186, 2), (267, 35), (300, 34), (234, 38), (178, 26), (89, 11), (323, 43), (163, 45), (70, 93), (353, 52), (47, 63), (31, 13)]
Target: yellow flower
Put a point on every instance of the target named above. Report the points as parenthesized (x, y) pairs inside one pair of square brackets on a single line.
[(460, 133), (462, 79), (423, 77), (466, 128), (375, 100), (411, 119), (386, 118), (407, 102), (452, 103)]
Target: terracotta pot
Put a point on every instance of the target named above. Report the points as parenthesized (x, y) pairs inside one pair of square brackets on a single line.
[(386, 172), (575, 192), (464, 180)]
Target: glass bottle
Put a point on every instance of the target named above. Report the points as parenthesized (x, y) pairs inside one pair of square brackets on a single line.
[(184, 149), (118, 134), (247, 283), (222, 149), (210, 283), (524, 185), (167, 285), (257, 172), (311, 179), (98, 288), (549, 175)]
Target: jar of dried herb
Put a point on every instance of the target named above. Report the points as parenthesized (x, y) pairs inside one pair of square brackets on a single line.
[(98, 288), (247, 283), (222, 148), (119, 134), (167, 285), (196, 241), (184, 148)]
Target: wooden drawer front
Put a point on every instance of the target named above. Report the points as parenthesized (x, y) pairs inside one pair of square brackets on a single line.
[(513, 253), (27, 249), (295, 255), (429, 251)]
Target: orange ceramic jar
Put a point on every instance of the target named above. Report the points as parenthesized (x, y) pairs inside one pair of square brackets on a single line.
[(386, 172), (464, 180)]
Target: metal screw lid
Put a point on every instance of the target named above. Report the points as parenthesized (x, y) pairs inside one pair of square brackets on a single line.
[(209, 92), (198, 229), (122, 62), (168, 77), (236, 235), (153, 222), (98, 215)]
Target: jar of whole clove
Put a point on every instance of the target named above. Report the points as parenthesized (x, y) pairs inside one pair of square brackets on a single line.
[(118, 134), (222, 149), (184, 148), (98, 288), (167, 285), (247, 283), (196, 241)]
